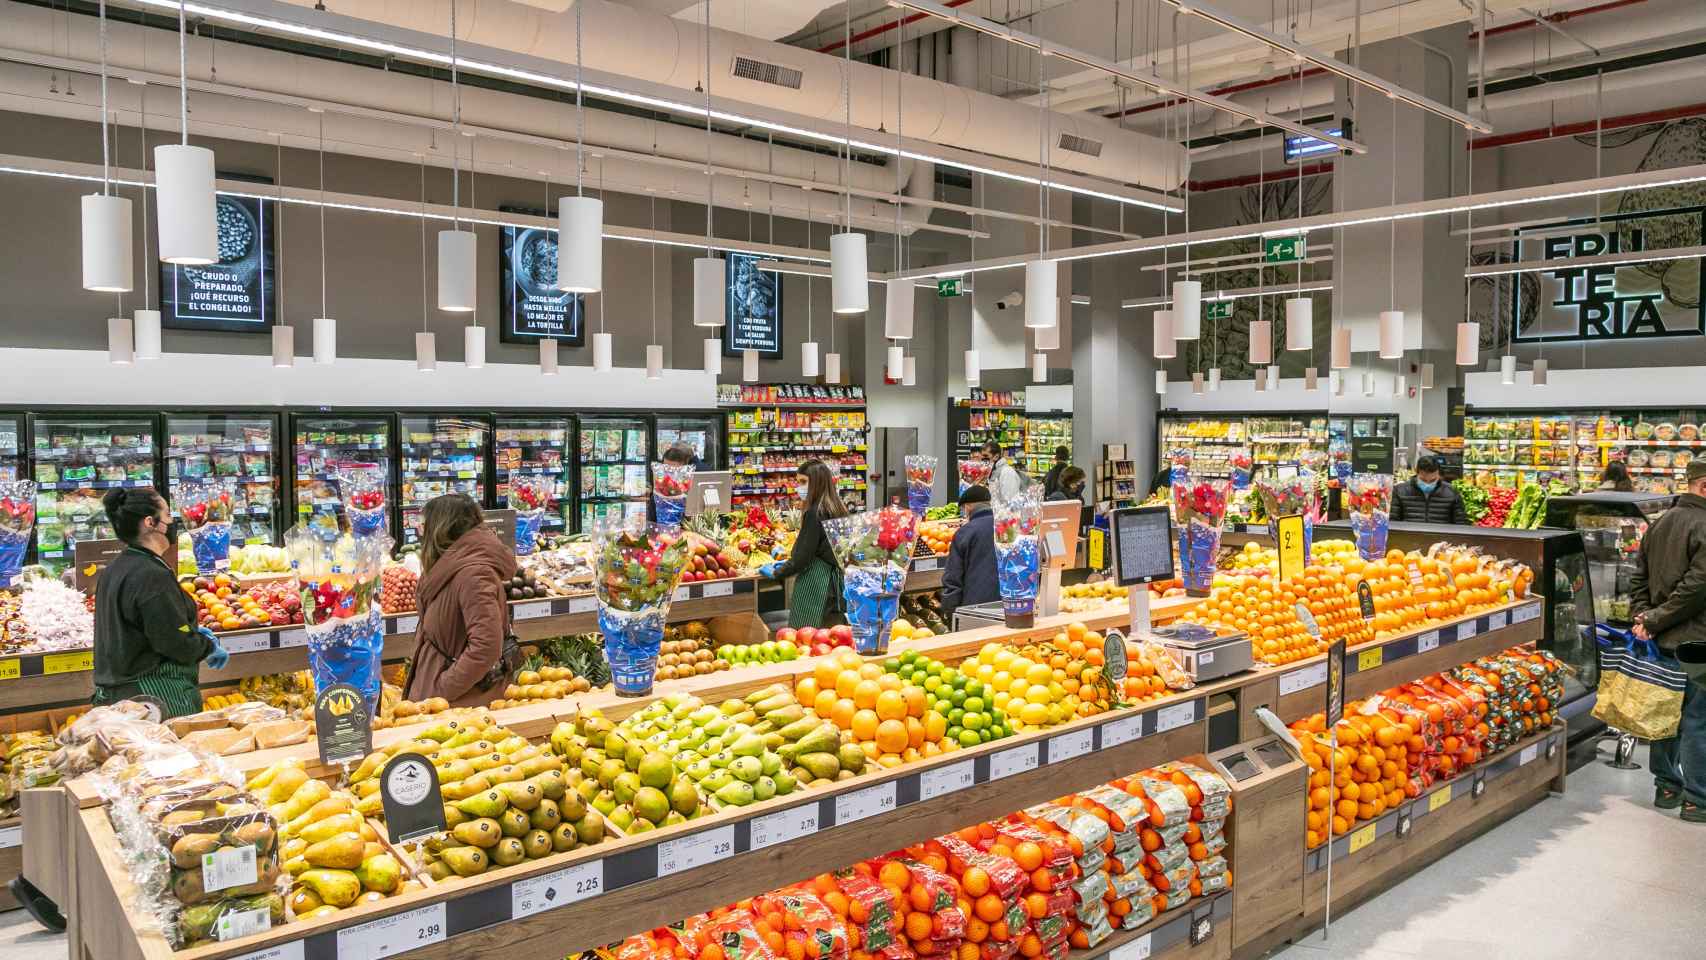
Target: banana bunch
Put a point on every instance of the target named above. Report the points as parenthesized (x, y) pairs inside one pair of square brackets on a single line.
[(220, 701)]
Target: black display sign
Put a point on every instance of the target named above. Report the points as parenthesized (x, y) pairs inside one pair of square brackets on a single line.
[(1365, 599), (91, 558), (530, 307), (754, 318), (1371, 455), (1335, 709), (502, 523), (408, 790), (237, 294), (342, 725)]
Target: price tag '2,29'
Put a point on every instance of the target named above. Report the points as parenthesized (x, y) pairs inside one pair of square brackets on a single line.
[(697, 850)]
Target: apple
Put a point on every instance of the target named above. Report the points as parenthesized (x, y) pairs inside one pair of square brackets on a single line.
[(790, 635), (805, 636), (786, 650), (842, 635)]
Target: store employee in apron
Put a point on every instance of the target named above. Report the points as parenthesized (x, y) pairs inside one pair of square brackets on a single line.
[(147, 643)]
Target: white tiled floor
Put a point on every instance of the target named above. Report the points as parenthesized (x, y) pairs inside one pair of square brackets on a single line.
[(1566, 879)]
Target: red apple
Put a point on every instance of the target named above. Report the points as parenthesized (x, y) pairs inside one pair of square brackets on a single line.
[(842, 635), (807, 635), (789, 634)]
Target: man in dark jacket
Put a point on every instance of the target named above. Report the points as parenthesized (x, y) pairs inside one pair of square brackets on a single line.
[(1062, 460), (969, 577), (1427, 498), (1668, 599)]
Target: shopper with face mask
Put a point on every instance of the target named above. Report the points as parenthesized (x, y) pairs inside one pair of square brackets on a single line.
[(1668, 598), (1428, 499), (817, 576), (147, 642)]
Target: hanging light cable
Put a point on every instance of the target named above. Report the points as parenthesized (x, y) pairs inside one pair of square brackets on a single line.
[(183, 181), (1042, 275), (283, 336), (808, 349), (899, 295), (457, 248), (325, 327), (1300, 310), (146, 320), (548, 352), (107, 252), (709, 308), (426, 350), (1468, 331), (580, 218), (846, 249), (1187, 293), (1392, 319)]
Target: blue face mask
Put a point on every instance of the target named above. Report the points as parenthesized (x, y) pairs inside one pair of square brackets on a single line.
[(1425, 486)]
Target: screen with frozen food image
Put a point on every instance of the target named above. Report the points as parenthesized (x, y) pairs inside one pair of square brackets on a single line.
[(235, 294), (532, 307), (754, 308)]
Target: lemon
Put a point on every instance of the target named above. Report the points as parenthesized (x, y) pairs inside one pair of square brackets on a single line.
[(1039, 673), (1033, 714), (1038, 695)]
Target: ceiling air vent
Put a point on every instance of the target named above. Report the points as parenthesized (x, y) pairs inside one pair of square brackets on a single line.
[(749, 69), (1077, 144)]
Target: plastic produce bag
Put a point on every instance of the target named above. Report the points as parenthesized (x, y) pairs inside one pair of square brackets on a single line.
[(1199, 506), (1368, 500), (637, 568), (363, 492), (341, 612), (1288, 496), (530, 495), (920, 481), (974, 473), (1017, 555), (17, 521)]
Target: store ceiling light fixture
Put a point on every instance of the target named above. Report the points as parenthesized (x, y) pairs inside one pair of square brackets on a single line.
[(709, 274), (580, 218), (183, 176), (548, 362), (388, 49), (846, 249), (107, 255), (974, 369), (325, 327), (457, 248), (1166, 345)]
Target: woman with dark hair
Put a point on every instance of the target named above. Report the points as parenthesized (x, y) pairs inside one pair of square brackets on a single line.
[(462, 599), (147, 642), (817, 583), (1071, 485), (1616, 478)]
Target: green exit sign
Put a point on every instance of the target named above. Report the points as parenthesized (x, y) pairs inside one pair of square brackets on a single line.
[(1217, 310), (1283, 249), (948, 286)]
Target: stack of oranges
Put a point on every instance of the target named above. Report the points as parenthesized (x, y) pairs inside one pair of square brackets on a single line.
[(1264, 610), (887, 716)]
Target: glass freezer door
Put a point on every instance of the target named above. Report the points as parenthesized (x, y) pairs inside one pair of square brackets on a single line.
[(239, 449), (702, 433), (439, 455), (535, 446), (12, 447), (77, 460), (615, 463), (325, 445)]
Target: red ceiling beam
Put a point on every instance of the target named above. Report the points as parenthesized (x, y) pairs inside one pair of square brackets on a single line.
[(1587, 126), (1309, 170)]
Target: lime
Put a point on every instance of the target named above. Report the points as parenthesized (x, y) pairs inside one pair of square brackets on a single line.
[(998, 731), (969, 738), (943, 707), (974, 704), (976, 688), (891, 666), (975, 721), (930, 684), (956, 717), (958, 697), (909, 656), (984, 735), (933, 668), (954, 732)]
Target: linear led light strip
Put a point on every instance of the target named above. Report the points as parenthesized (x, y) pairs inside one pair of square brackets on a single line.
[(1620, 183), (1595, 260), (1154, 82), (1344, 70), (1236, 261), (130, 178), (1229, 295), (463, 63)]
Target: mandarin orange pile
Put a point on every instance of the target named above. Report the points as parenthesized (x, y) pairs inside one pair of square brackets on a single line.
[(888, 717), (1267, 611)]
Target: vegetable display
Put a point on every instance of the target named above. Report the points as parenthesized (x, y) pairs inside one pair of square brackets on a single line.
[(1474, 498)]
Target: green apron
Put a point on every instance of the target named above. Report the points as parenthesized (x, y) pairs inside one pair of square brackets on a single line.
[(175, 685), (817, 596)]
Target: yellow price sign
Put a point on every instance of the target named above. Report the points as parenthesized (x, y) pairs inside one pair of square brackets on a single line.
[(1439, 798), (75, 662), (1097, 548), (1369, 659), (11, 669), (1362, 838), (1290, 530)]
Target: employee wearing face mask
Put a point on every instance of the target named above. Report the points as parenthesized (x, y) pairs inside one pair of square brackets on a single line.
[(1428, 499), (147, 643)]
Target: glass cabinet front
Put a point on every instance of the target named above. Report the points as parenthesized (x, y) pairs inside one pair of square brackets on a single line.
[(615, 464), (239, 450), (77, 460), (439, 455), (535, 446)]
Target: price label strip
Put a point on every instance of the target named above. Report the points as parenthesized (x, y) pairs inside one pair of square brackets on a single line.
[(1498, 621), (11, 669), (1070, 745), (1175, 716), (697, 850), (76, 661), (1132, 949), (1123, 730), (1439, 798), (784, 825), (1466, 630), (721, 589), (1005, 763), (292, 638), (1298, 681), (1427, 641), (531, 611), (942, 781), (923, 564), (407, 625), (1363, 837), (248, 643), (851, 807), (559, 889), (583, 604), (390, 936), (1369, 659)]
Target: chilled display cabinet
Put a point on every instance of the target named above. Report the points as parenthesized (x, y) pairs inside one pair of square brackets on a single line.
[(1044, 432), (535, 446), (702, 432), (12, 447), (615, 464), (76, 460), (240, 449), (1611, 525), (1340, 430), (1507, 449), (438, 455), (324, 445)]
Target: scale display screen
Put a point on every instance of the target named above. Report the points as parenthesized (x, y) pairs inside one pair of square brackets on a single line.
[(1143, 545)]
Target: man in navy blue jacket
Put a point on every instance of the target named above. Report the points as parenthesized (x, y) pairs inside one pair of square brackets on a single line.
[(969, 577)]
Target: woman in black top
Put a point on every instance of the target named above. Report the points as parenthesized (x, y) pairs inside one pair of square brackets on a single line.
[(147, 643), (817, 583)]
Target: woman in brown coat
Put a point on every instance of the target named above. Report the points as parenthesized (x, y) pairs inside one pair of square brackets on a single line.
[(464, 615)]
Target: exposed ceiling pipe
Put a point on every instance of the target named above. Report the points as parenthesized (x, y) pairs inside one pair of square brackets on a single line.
[(1561, 16), (888, 24)]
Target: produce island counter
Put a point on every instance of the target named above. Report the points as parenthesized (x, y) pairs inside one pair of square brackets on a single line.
[(648, 881)]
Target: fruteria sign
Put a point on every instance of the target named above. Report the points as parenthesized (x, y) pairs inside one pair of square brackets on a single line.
[(1625, 302)]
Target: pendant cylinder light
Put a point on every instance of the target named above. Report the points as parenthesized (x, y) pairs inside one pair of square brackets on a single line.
[(580, 244), (749, 365), (713, 359), (808, 359), (1261, 342), (426, 352), (1048, 338), (974, 370), (1401, 386), (1311, 380), (1166, 346), (183, 181), (474, 346), (909, 371), (121, 349), (1391, 334), (832, 367), (896, 362), (899, 297), (146, 331), (1299, 324), (1468, 343), (847, 273), (1341, 350), (1187, 309), (1507, 369), (107, 265), (1368, 384), (547, 356), (1541, 370), (1042, 293), (283, 345), (1161, 382), (457, 250), (1261, 381), (601, 350), (326, 340), (1427, 376), (1197, 384), (1039, 368), (1336, 382), (654, 361), (1273, 377), (709, 310), (1213, 379)]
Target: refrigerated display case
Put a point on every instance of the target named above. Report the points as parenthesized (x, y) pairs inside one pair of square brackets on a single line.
[(77, 459), (614, 467), (12, 447), (535, 446), (1043, 433), (1611, 525), (1574, 445), (438, 455), (241, 449), (702, 432), (1340, 430), (1275, 441), (323, 445)]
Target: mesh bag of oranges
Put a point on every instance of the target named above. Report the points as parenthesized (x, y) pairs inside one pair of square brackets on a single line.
[(810, 930)]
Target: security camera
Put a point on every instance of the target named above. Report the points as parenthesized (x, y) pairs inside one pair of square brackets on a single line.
[(1010, 301)]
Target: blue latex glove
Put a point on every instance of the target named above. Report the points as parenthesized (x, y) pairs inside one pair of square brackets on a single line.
[(768, 570), (218, 657)]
